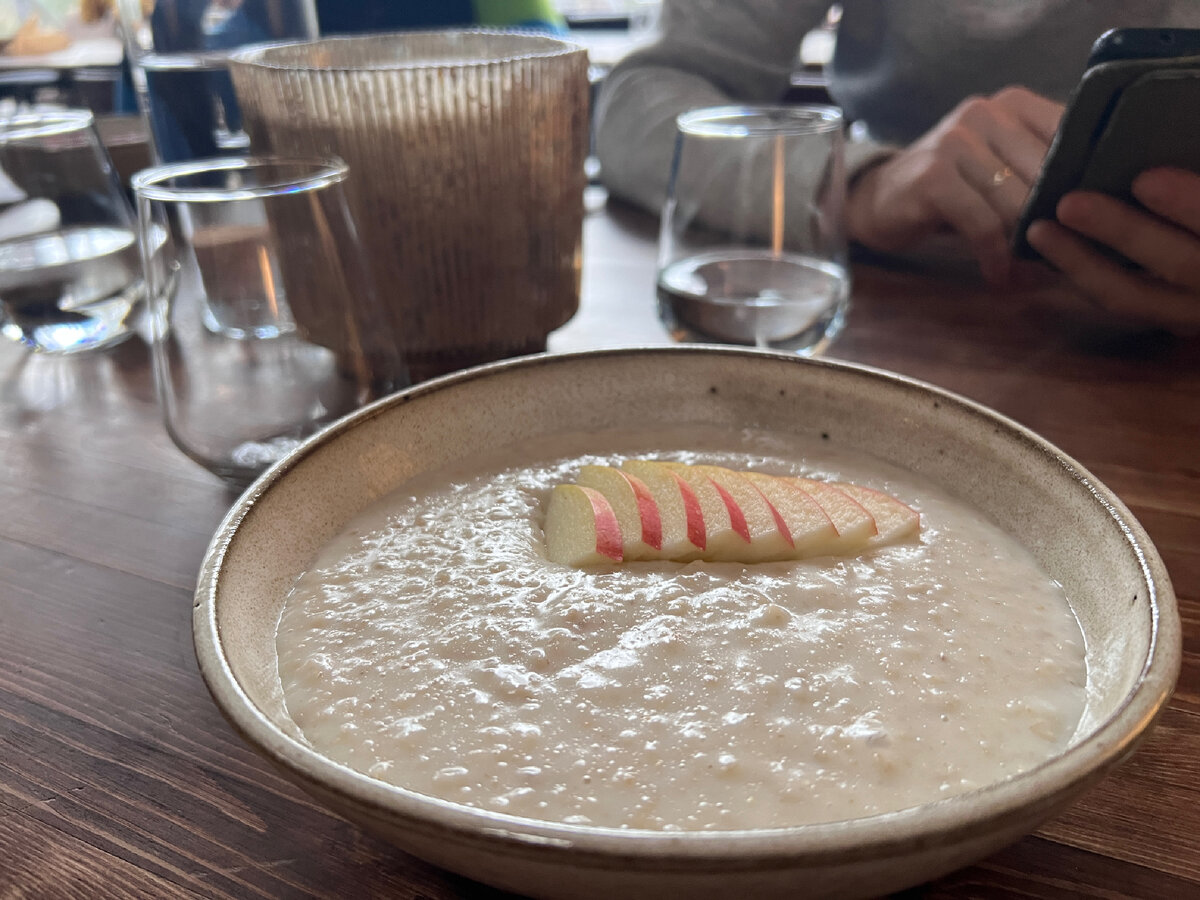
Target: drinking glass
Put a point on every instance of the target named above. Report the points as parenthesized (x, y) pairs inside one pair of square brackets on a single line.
[(70, 278), (475, 144), (252, 355), (752, 248), (179, 50)]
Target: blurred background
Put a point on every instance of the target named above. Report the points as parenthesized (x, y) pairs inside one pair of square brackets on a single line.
[(95, 54)]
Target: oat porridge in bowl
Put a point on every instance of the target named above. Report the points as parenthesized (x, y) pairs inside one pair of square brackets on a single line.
[(770, 620)]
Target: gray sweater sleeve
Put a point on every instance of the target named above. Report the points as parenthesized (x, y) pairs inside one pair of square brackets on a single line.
[(711, 52)]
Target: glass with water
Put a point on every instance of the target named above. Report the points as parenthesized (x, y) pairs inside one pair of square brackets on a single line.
[(70, 275), (753, 247)]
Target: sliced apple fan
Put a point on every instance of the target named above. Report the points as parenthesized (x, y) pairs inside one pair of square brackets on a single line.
[(665, 510)]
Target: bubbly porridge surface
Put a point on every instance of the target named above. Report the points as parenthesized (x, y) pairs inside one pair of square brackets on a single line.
[(431, 645)]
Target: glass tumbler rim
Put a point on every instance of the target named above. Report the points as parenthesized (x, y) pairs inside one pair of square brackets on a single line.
[(44, 123), (537, 46), (765, 120), (315, 172)]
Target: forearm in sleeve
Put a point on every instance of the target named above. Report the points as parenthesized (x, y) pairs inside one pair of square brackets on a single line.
[(711, 52)]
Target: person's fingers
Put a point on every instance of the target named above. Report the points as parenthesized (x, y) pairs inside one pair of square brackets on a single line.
[(1040, 114), (968, 213), (1161, 248), (992, 177), (970, 174), (1173, 194), (1021, 149), (1116, 289), (1009, 138), (884, 211)]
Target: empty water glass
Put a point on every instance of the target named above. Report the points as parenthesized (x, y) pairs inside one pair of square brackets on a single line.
[(266, 326), (753, 244)]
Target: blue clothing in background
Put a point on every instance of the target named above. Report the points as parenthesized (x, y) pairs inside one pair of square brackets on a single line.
[(350, 16), (191, 109)]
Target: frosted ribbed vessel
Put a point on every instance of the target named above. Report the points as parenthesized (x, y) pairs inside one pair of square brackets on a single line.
[(466, 154)]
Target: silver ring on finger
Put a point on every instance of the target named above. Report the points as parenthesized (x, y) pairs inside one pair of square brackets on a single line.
[(1001, 175)]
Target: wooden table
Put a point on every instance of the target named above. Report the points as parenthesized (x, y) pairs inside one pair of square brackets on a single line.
[(118, 777)]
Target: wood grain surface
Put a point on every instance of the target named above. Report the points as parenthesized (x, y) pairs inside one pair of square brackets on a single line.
[(118, 777)]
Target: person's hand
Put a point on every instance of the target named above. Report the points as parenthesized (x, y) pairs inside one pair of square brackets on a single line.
[(1163, 238), (970, 174)]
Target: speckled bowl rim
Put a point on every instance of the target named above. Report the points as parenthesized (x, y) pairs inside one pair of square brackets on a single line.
[(957, 818)]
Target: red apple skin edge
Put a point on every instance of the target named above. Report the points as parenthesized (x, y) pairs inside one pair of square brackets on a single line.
[(608, 530), (647, 510), (779, 523), (737, 518), (695, 516)]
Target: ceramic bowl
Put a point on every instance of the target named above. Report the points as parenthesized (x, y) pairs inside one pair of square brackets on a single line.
[(1078, 530)]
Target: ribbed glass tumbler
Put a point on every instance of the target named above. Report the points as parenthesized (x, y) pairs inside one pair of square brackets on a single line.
[(467, 150)]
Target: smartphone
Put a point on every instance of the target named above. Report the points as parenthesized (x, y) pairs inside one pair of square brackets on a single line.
[(1133, 110), (1144, 43)]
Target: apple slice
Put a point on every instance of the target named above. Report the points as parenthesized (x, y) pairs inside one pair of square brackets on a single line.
[(811, 530), (581, 527), (725, 528), (636, 511), (894, 521), (769, 537), (855, 526), (683, 530)]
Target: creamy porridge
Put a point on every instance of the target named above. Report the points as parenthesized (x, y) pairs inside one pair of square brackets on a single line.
[(433, 646)]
